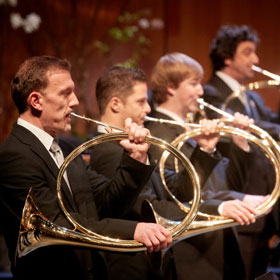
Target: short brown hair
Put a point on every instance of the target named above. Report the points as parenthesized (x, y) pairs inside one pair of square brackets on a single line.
[(32, 76), (170, 71), (117, 81)]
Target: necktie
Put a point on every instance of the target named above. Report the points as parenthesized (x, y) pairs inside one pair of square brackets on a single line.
[(58, 155), (56, 151)]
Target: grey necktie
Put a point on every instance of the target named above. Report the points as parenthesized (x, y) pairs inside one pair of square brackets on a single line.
[(58, 155), (56, 151)]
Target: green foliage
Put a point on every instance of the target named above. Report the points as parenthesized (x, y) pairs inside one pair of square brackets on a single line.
[(132, 29)]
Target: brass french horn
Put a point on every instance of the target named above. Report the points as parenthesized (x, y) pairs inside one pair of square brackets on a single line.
[(266, 73), (275, 82), (205, 222), (251, 86), (36, 231)]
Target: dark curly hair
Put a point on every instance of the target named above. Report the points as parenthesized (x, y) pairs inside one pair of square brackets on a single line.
[(224, 45)]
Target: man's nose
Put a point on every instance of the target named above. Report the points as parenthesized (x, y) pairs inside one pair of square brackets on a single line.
[(200, 90), (255, 59), (74, 101), (147, 108)]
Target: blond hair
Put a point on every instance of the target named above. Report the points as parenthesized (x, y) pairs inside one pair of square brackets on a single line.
[(170, 71)]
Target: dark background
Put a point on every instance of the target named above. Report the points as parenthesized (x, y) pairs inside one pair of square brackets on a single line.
[(71, 29)]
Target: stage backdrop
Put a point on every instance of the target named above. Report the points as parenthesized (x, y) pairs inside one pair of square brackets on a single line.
[(94, 35)]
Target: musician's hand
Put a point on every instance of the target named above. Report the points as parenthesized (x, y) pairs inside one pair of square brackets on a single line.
[(209, 137), (241, 121), (155, 237), (135, 144), (239, 211), (255, 200)]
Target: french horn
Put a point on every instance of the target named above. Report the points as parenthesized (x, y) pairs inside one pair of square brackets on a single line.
[(204, 222), (251, 86), (266, 73), (275, 82), (36, 231)]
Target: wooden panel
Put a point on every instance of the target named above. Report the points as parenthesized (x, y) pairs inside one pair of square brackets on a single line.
[(69, 29)]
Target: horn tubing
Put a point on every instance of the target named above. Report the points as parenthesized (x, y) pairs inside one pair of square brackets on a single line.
[(96, 122), (177, 229), (251, 86), (217, 110), (147, 118), (266, 73), (213, 222), (36, 231)]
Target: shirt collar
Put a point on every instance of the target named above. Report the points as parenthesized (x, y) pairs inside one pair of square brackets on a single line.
[(170, 114), (234, 85), (178, 119), (42, 135)]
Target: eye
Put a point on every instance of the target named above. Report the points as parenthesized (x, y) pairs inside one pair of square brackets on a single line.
[(194, 83), (142, 101), (67, 92), (247, 52)]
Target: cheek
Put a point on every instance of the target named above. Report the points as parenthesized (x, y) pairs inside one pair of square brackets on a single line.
[(241, 61), (187, 96), (62, 107), (137, 114), (56, 104)]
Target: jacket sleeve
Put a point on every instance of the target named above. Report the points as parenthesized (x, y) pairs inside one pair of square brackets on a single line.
[(114, 198)]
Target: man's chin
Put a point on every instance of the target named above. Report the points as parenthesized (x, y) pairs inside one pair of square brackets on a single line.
[(66, 128), (250, 74), (194, 109), (141, 122)]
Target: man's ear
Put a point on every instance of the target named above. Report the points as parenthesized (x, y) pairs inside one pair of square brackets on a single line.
[(228, 61), (115, 104), (171, 90), (35, 100)]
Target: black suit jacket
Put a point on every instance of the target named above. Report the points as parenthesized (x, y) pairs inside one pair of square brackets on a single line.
[(216, 91), (260, 177), (225, 174), (105, 159), (25, 163), (206, 255), (187, 254)]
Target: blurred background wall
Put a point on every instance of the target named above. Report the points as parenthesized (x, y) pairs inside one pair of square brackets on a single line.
[(95, 34)]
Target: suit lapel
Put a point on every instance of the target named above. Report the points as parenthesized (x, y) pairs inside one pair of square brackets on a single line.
[(235, 105), (177, 129), (253, 106), (37, 148), (224, 89)]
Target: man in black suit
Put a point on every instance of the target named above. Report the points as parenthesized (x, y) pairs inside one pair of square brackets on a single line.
[(176, 86), (233, 53), (43, 92), (122, 92)]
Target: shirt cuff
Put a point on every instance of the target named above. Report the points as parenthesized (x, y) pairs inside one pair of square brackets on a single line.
[(220, 209), (211, 153)]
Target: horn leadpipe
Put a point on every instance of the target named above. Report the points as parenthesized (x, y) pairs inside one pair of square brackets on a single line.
[(266, 73), (172, 122), (96, 122), (217, 110)]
